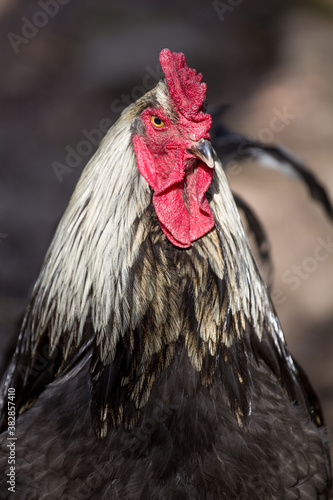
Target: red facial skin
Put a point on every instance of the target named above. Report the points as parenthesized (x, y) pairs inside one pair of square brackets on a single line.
[(178, 178)]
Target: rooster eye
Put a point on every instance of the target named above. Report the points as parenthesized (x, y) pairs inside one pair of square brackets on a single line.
[(157, 122)]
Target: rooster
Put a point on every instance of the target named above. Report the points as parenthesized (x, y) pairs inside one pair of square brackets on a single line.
[(151, 363)]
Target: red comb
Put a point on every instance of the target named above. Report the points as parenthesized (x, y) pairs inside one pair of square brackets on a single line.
[(184, 84)]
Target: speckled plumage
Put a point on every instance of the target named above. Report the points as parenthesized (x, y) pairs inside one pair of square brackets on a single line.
[(187, 445)]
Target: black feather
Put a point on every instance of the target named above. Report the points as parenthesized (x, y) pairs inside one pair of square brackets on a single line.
[(232, 146)]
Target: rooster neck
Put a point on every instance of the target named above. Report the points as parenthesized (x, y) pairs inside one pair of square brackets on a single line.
[(208, 300), (178, 300)]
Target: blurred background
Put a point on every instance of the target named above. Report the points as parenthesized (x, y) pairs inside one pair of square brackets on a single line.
[(69, 67)]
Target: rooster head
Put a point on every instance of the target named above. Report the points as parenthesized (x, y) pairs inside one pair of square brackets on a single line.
[(174, 155)]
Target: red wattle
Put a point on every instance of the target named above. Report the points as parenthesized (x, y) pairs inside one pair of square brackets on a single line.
[(179, 199)]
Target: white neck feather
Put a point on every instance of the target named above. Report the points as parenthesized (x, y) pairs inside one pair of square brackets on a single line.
[(92, 245), (247, 291)]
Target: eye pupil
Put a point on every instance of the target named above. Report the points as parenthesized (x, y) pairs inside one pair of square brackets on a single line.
[(157, 121)]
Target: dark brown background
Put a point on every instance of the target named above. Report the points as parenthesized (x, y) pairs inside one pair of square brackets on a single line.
[(263, 58)]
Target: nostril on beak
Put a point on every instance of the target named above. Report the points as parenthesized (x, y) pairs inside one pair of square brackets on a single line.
[(204, 151)]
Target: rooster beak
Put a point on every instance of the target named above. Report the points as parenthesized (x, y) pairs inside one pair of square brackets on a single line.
[(204, 151)]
